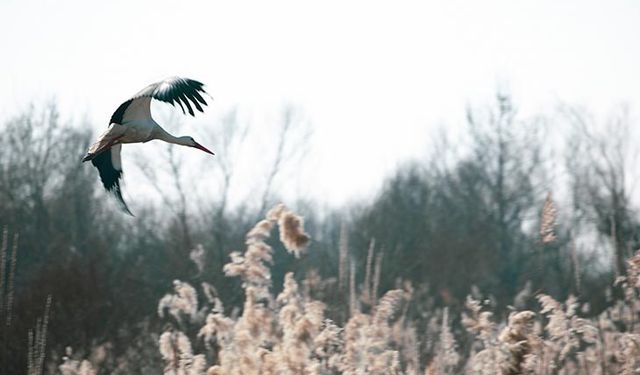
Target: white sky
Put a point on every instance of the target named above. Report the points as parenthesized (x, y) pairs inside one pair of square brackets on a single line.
[(374, 78)]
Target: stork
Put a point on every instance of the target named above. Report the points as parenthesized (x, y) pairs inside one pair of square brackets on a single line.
[(132, 123)]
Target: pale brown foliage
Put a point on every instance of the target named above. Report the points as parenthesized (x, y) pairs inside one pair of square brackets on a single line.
[(520, 341), (548, 221), (37, 342), (291, 226), (184, 302), (75, 367), (290, 334)]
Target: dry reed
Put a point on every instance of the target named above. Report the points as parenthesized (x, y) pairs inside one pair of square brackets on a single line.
[(290, 333), (548, 221), (37, 342)]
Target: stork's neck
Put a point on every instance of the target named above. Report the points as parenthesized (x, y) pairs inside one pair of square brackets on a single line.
[(165, 136)]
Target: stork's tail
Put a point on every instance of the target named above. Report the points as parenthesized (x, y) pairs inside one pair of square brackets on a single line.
[(88, 157)]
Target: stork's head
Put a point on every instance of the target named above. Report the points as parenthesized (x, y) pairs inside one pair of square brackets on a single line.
[(189, 141)]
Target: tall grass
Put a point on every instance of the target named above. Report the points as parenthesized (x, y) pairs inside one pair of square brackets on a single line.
[(293, 333)]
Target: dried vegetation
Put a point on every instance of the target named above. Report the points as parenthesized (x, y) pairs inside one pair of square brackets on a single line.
[(292, 333)]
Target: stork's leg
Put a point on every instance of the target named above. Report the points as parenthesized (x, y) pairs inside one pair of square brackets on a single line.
[(90, 156), (99, 147)]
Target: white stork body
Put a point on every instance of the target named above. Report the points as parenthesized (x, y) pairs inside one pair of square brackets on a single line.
[(132, 123)]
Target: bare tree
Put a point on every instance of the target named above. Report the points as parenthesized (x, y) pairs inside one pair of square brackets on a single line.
[(229, 137), (459, 220), (509, 154), (40, 156), (600, 158), (291, 144), (167, 178), (173, 198)]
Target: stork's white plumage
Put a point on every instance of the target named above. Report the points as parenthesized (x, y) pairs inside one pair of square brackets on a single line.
[(132, 123)]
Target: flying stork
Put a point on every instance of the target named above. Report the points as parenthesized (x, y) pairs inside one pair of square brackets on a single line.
[(132, 123)]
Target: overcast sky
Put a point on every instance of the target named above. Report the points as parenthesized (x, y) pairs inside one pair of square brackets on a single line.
[(374, 78)]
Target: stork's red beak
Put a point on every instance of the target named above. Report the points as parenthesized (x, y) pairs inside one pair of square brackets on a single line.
[(201, 147)]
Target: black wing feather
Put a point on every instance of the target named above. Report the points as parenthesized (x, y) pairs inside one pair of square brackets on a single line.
[(110, 177), (199, 97), (193, 99), (119, 113), (184, 98), (177, 100), (183, 91)]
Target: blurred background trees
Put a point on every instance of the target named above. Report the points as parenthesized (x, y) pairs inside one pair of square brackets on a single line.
[(467, 218)]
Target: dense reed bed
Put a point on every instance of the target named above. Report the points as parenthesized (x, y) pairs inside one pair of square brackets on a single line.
[(294, 333)]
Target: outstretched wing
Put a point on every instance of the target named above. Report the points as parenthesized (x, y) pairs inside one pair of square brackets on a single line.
[(110, 168), (176, 90)]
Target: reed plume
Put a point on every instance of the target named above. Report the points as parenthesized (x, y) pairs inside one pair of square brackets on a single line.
[(548, 221)]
